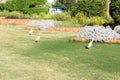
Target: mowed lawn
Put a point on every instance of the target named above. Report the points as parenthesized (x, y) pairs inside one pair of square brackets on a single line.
[(54, 57)]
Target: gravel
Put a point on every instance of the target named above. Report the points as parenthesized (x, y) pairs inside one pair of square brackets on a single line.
[(98, 33), (43, 24)]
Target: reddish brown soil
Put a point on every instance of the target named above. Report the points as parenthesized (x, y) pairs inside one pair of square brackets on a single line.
[(58, 29), (4, 20), (74, 38)]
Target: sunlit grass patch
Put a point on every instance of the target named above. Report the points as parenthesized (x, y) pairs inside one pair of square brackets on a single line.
[(54, 57)]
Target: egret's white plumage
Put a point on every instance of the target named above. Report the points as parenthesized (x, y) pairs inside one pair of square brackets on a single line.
[(90, 44), (37, 38), (31, 31)]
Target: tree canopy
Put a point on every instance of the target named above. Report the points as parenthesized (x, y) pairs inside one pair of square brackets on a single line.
[(115, 10), (89, 7), (21, 5)]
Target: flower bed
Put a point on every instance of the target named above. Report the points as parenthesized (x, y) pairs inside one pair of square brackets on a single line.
[(4, 20)]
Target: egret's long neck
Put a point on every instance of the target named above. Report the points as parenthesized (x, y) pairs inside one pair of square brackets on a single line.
[(91, 40)]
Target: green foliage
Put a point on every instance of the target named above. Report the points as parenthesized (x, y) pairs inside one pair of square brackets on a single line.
[(35, 16), (89, 7), (4, 13), (2, 7), (66, 3), (66, 24), (62, 16), (83, 19), (115, 10), (117, 19), (96, 20), (107, 19), (25, 6), (15, 14), (11, 5), (35, 10), (46, 16)]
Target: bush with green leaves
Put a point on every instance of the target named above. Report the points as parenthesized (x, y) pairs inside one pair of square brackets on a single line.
[(115, 10), (83, 19), (10, 5), (15, 14), (96, 20), (35, 10), (4, 13), (26, 6), (89, 7), (61, 16), (107, 19), (2, 7), (117, 19)]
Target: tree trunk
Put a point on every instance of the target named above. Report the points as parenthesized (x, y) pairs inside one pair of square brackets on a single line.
[(108, 7)]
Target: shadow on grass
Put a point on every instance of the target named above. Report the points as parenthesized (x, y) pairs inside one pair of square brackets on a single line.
[(102, 56)]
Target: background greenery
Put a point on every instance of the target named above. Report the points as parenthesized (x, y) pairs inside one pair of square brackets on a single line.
[(26, 6), (84, 12), (115, 10)]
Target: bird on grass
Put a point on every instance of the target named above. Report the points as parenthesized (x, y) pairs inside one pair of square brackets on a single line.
[(31, 31), (90, 44), (37, 38)]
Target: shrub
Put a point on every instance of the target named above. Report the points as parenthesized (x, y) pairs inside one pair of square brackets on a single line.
[(35, 10), (25, 6), (4, 13), (46, 16), (96, 20), (107, 19), (2, 7), (35, 16), (66, 24), (117, 19), (83, 19), (10, 5), (115, 10), (61, 16), (15, 14), (89, 7)]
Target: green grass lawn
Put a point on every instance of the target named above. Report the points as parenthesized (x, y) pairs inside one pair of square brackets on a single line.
[(54, 57)]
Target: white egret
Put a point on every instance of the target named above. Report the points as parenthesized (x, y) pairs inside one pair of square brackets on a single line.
[(90, 44), (37, 38), (31, 31)]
